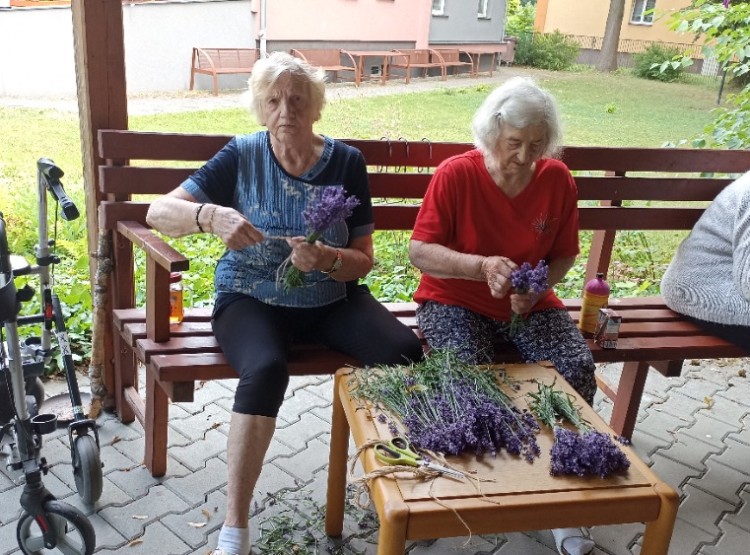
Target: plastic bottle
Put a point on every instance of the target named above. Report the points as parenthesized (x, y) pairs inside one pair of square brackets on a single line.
[(595, 297), (175, 298)]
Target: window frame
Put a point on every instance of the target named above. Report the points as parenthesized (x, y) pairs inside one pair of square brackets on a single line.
[(440, 10), (483, 9), (639, 15)]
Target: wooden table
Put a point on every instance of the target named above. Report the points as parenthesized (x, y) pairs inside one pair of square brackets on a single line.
[(520, 496), (360, 55)]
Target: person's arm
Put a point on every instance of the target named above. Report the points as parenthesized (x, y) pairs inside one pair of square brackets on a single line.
[(741, 244), (177, 214), (356, 260), (445, 263)]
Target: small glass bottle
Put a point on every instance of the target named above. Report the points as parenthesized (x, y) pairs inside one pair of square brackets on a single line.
[(175, 298), (595, 297)]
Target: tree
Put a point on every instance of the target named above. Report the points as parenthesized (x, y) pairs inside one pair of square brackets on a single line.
[(608, 54), (726, 28)]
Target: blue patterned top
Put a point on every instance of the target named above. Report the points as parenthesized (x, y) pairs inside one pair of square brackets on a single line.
[(246, 176)]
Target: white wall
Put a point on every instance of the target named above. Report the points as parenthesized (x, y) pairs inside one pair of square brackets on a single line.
[(36, 45)]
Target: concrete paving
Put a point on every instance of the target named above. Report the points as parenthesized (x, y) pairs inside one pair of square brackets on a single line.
[(692, 430)]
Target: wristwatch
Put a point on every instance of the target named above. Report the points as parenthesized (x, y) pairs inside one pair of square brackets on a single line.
[(336, 266)]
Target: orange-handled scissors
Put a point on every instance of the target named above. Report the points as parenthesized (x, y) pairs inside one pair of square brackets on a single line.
[(399, 451)]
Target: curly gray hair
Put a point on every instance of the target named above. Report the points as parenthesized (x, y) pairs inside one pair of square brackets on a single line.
[(267, 71), (519, 102)]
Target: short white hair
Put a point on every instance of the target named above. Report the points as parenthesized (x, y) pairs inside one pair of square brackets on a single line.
[(519, 102), (267, 71)]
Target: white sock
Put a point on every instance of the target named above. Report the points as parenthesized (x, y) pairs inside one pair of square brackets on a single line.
[(573, 541), (234, 540)]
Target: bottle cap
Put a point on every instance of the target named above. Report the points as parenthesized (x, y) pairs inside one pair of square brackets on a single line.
[(598, 286), (175, 277)]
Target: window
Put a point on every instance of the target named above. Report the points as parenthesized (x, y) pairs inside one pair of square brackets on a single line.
[(643, 12), (438, 7), (482, 9)]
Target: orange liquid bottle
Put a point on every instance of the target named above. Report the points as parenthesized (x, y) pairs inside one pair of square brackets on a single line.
[(175, 298), (595, 297)]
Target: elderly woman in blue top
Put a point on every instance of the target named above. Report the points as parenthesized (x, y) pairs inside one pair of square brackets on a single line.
[(252, 195)]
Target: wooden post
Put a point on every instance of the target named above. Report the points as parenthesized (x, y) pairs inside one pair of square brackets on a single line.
[(102, 104)]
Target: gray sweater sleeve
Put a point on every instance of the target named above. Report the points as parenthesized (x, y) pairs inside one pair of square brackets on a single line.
[(741, 245)]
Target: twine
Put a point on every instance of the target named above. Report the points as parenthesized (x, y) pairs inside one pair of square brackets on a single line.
[(362, 484)]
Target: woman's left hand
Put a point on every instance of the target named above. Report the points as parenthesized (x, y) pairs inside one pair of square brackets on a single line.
[(521, 303), (308, 256)]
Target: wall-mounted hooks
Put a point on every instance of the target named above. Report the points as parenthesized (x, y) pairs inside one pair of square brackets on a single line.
[(382, 169), (420, 169)]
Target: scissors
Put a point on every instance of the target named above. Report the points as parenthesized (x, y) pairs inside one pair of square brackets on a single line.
[(399, 451)]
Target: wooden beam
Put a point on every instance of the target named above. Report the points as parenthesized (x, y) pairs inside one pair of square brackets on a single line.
[(102, 104)]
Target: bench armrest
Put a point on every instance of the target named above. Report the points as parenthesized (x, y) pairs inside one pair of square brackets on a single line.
[(161, 260)]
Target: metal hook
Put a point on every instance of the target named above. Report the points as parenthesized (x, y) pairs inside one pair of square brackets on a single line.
[(382, 169), (420, 169), (403, 167)]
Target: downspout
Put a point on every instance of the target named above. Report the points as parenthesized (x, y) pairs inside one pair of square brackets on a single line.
[(262, 33)]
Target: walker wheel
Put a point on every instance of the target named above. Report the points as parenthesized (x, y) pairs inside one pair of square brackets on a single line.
[(74, 534), (87, 468)]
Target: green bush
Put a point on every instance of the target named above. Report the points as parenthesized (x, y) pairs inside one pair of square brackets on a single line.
[(552, 51), (658, 62)]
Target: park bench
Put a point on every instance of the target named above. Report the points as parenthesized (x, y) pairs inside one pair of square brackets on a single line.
[(329, 59), (419, 58), (222, 61), (451, 58), (619, 189)]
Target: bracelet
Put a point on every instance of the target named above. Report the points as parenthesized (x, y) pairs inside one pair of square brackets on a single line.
[(198, 213), (336, 266)]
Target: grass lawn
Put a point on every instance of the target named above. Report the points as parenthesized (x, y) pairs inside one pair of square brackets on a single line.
[(598, 109)]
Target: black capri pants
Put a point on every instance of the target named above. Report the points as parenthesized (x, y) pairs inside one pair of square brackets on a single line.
[(256, 338)]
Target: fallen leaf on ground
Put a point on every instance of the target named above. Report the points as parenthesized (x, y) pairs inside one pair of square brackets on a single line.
[(196, 524), (139, 517), (709, 402), (135, 542), (207, 514)]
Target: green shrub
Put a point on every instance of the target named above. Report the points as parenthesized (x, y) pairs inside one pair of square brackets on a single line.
[(658, 62), (552, 51)]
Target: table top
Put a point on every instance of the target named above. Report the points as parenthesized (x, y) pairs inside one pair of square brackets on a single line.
[(373, 53), (507, 481)]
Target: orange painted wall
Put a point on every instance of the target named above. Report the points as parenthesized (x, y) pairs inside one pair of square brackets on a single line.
[(349, 20), (588, 18)]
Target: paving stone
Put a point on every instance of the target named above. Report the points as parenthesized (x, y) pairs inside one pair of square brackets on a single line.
[(679, 405), (273, 479), (56, 451), (741, 518), (721, 481), (685, 538), (300, 403), (709, 430), (135, 482), (519, 543), (645, 445), (196, 453), (111, 496), (114, 459), (697, 388), (194, 525), (5, 482), (661, 424), (736, 455), (305, 462), (738, 392), (690, 452), (131, 519), (673, 473), (157, 538), (194, 487), (8, 541), (700, 508), (309, 426), (617, 539), (732, 540), (10, 503), (132, 449), (107, 536), (111, 430), (194, 426), (455, 545), (726, 410)]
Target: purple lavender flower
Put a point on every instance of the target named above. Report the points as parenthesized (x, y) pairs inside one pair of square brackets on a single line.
[(726, 3), (592, 453), (331, 207), (524, 280)]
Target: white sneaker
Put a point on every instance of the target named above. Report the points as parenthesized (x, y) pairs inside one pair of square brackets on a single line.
[(573, 541), (222, 551)]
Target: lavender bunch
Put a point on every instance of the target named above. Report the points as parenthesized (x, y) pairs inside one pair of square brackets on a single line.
[(330, 208), (580, 452), (450, 407), (527, 280)]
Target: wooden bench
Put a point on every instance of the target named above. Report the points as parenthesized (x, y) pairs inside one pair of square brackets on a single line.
[(222, 61), (611, 183), (451, 58), (329, 59), (419, 58)]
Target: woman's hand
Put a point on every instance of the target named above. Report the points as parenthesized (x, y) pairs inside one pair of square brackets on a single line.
[(233, 228), (310, 256), (521, 303), (496, 271)]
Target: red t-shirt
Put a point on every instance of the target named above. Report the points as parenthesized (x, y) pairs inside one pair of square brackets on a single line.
[(464, 210)]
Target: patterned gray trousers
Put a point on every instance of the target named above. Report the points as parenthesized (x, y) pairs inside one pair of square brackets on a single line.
[(546, 335)]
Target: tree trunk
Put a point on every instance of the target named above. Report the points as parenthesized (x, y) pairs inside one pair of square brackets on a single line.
[(608, 55)]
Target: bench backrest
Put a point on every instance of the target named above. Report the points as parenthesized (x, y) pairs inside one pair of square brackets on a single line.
[(236, 58), (448, 55), (319, 57), (619, 188), (417, 56)]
